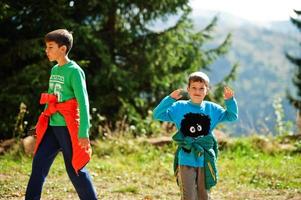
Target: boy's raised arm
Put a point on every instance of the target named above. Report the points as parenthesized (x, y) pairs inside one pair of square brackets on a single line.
[(163, 111), (231, 112)]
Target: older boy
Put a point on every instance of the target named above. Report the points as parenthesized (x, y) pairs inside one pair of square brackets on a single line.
[(62, 126), (195, 120)]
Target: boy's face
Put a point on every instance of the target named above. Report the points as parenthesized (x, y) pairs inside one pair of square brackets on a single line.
[(197, 91), (54, 52)]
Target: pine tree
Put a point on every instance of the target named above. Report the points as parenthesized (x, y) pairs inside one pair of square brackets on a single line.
[(295, 100), (129, 66)]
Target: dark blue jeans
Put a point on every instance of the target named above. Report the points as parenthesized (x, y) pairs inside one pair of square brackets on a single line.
[(55, 139)]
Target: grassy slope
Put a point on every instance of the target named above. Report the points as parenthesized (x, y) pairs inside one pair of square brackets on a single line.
[(131, 169)]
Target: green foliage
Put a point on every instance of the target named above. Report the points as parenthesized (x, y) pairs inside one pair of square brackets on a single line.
[(129, 188), (282, 127), (97, 124), (255, 145), (295, 100), (127, 168), (128, 66), (298, 146), (20, 125)]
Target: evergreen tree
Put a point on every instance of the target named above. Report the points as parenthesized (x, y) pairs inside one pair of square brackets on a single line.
[(295, 100), (129, 66)]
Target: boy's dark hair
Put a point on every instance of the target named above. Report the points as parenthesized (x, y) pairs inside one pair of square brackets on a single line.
[(61, 37), (198, 77)]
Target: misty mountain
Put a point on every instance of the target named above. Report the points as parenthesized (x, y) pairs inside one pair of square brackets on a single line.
[(264, 73)]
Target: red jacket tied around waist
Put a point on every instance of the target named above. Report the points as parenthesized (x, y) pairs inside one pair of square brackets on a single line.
[(69, 110)]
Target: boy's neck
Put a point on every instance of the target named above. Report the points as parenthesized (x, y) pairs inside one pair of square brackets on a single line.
[(63, 61), (196, 103)]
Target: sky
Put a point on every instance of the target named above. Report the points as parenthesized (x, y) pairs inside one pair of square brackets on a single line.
[(253, 10)]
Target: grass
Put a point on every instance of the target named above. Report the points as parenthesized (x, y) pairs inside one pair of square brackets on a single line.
[(124, 168)]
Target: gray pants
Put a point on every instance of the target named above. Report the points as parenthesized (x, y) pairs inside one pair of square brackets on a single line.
[(192, 183)]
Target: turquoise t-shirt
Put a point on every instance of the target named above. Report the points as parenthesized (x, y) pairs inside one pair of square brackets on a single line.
[(67, 82), (174, 111)]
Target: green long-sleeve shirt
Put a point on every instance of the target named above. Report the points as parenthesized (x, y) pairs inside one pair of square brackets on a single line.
[(67, 82)]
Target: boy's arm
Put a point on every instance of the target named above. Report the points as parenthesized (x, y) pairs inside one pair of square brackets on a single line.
[(231, 112), (165, 110), (162, 111), (80, 91)]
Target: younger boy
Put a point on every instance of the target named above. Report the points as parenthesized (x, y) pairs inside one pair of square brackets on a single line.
[(64, 124), (195, 120)]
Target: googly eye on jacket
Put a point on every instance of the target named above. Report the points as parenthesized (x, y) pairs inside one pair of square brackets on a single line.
[(195, 125)]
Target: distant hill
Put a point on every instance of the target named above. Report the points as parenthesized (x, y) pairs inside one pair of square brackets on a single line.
[(264, 73)]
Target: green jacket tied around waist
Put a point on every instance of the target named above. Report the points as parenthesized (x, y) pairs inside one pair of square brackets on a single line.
[(206, 146)]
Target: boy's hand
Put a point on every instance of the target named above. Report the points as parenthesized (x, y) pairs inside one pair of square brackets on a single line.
[(228, 93), (84, 143), (177, 94)]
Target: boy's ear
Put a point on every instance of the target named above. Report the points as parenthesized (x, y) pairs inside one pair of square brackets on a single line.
[(208, 89), (64, 48)]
